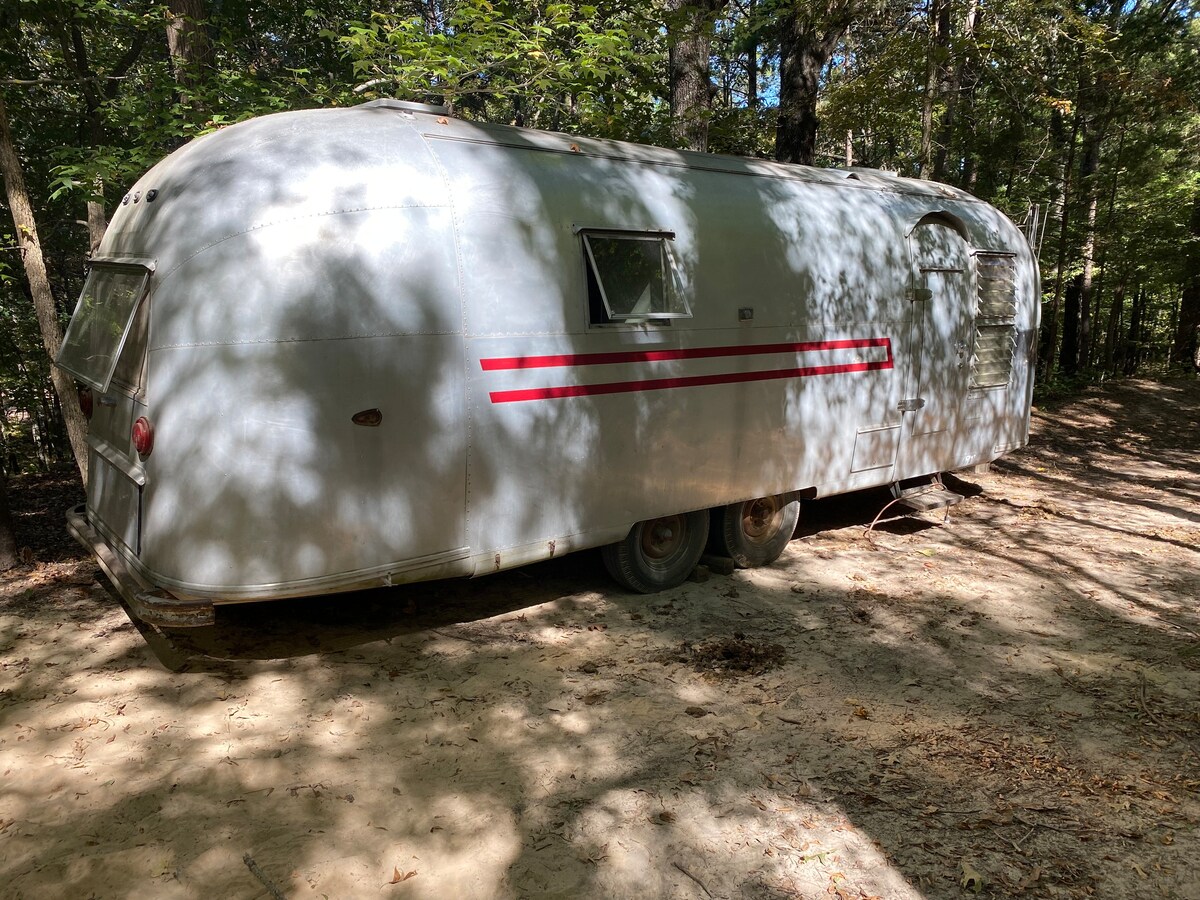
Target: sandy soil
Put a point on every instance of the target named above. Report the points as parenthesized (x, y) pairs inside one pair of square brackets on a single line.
[(1005, 705)]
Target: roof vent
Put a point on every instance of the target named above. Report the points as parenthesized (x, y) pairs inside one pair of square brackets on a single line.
[(432, 109)]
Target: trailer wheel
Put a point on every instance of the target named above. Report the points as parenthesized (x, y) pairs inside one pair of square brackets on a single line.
[(659, 553), (755, 533)]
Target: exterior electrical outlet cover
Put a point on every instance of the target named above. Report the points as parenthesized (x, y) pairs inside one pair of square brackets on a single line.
[(551, 340)]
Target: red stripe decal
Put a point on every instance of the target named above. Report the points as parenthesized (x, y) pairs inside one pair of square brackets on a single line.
[(658, 384), (603, 359)]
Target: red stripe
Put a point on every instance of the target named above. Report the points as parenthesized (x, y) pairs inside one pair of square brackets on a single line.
[(658, 384), (628, 356)]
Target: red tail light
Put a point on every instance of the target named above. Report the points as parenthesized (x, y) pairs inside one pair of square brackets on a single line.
[(85, 402), (143, 436)]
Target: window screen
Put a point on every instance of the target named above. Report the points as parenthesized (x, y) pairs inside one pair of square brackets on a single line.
[(631, 277), (995, 320), (101, 323)]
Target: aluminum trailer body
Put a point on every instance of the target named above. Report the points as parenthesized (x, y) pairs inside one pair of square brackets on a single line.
[(375, 345)]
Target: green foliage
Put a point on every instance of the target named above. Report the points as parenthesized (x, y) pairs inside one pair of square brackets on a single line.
[(590, 66)]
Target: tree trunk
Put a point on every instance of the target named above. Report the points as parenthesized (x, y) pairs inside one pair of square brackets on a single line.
[(95, 94), (1102, 355), (8, 538), (935, 69), (187, 40), (752, 62), (959, 72), (690, 26), (1115, 314), (1049, 337), (1068, 360), (1186, 351), (1089, 166), (796, 132), (96, 220), (805, 47), (39, 287), (1133, 348)]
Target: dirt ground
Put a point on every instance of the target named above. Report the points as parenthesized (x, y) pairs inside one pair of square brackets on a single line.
[(1004, 705)]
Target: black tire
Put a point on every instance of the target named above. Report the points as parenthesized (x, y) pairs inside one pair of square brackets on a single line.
[(755, 533), (659, 553)]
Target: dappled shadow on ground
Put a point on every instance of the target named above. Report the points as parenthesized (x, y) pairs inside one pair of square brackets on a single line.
[(313, 625), (1011, 697)]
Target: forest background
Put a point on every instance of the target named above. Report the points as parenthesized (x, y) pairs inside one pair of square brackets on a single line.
[(1087, 112)]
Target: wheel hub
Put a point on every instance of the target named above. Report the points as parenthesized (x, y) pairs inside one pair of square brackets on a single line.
[(662, 537), (761, 518)]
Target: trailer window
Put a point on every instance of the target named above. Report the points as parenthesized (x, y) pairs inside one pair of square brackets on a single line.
[(995, 320), (131, 364), (101, 323), (630, 279)]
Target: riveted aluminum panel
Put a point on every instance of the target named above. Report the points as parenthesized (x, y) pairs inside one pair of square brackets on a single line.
[(314, 265)]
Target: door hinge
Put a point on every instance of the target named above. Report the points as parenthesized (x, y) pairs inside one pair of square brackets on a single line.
[(911, 405)]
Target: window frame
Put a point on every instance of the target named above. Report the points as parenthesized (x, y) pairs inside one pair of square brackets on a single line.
[(139, 269), (1005, 324), (670, 281)]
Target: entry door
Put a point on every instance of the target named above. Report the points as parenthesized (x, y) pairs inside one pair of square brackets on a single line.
[(939, 378)]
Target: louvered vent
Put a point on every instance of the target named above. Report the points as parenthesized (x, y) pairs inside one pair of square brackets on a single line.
[(995, 320)]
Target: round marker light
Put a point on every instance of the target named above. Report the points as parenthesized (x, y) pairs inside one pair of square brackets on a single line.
[(143, 436), (85, 402)]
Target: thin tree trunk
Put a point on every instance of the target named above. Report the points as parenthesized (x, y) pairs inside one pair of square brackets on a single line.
[(1115, 314), (1187, 332), (74, 51), (935, 67), (97, 221), (1133, 348), (8, 537), (39, 286), (1050, 326), (1101, 355), (752, 62), (1068, 360), (1090, 165)]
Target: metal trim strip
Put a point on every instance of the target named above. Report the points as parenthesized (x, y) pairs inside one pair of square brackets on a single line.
[(572, 360), (658, 384)]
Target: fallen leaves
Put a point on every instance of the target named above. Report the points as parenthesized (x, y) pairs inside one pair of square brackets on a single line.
[(857, 708), (971, 879), (398, 877), (728, 657)]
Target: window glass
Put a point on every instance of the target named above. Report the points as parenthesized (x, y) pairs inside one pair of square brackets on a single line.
[(633, 277), (101, 322), (995, 320), (131, 362)]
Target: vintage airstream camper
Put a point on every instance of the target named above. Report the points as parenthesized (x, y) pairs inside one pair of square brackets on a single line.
[(349, 347)]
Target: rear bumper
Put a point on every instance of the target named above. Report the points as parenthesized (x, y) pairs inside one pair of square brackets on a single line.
[(150, 604)]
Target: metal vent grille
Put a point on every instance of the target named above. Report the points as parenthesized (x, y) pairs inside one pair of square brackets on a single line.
[(995, 320)]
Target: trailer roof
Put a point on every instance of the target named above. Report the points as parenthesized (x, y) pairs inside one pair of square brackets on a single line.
[(434, 123)]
